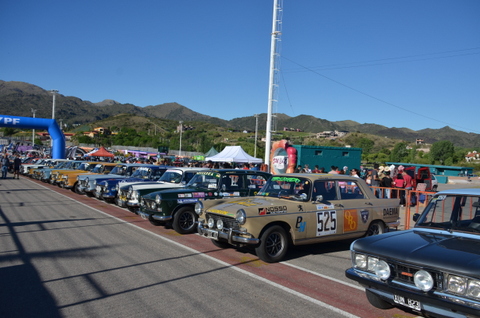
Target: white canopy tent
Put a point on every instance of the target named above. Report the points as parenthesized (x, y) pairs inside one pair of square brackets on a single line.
[(233, 154)]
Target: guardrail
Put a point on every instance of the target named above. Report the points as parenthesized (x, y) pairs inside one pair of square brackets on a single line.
[(414, 201)]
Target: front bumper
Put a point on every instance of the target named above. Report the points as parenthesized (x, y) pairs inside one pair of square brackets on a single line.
[(436, 303), (231, 236), (160, 218)]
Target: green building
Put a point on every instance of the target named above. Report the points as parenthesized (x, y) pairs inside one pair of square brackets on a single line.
[(326, 157)]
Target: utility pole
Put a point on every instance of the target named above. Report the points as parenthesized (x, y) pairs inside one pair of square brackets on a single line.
[(274, 69), (181, 130), (33, 131), (54, 92), (256, 132)]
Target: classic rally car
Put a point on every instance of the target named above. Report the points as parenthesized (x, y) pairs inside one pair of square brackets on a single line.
[(298, 209), (45, 174), (107, 189), (87, 182), (176, 206), (69, 179), (178, 177), (432, 269)]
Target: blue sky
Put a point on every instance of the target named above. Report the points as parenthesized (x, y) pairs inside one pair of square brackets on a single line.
[(407, 63)]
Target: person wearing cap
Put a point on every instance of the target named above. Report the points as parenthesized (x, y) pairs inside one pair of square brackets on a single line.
[(386, 182)]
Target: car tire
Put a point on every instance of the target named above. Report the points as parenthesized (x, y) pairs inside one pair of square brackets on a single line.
[(273, 245), (376, 301), (76, 189), (184, 220), (221, 244), (375, 228)]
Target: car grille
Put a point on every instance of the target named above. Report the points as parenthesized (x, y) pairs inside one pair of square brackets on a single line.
[(403, 273), (228, 223)]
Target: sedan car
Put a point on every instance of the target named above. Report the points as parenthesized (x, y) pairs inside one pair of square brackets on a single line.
[(129, 194), (298, 209), (432, 269), (176, 206)]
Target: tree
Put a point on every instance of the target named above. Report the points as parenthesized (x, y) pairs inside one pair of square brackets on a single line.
[(441, 150), (399, 153), (366, 145)]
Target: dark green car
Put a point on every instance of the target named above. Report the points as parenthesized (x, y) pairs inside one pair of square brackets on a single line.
[(177, 206)]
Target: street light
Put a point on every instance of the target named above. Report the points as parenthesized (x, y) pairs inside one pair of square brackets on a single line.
[(256, 130), (181, 130), (33, 131), (54, 92)]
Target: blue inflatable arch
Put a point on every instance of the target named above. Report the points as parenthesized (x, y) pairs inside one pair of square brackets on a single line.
[(58, 145)]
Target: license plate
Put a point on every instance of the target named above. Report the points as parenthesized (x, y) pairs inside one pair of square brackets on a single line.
[(407, 302)]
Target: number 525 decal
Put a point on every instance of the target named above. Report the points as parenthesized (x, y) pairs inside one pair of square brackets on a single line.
[(326, 222)]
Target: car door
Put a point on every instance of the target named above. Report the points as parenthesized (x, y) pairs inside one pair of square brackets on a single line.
[(324, 215), (358, 205)]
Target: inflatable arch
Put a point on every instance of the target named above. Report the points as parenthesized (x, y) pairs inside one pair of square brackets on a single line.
[(58, 145)]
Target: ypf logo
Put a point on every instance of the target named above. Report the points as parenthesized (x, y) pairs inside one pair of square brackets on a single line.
[(9, 121)]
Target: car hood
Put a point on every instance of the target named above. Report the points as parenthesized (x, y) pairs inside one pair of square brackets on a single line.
[(251, 205), (156, 185), (458, 252)]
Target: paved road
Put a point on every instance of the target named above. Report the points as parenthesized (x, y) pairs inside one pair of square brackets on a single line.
[(65, 255)]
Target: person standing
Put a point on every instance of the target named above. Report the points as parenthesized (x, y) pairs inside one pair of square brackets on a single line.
[(5, 165), (17, 162), (386, 183), (375, 180), (400, 185)]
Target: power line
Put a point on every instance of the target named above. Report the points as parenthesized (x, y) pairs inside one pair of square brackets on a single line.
[(376, 98), (389, 60)]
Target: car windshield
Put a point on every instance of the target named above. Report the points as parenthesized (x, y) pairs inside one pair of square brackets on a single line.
[(172, 176), (291, 188), (141, 172), (85, 166), (452, 212), (207, 180), (119, 170)]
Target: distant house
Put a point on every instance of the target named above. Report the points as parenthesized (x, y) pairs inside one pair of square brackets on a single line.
[(472, 156), (331, 133)]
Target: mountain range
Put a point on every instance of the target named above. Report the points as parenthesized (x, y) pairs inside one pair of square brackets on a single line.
[(20, 98)]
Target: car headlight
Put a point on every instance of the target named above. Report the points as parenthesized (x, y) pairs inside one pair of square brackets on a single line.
[(220, 224), (241, 217), (199, 208), (473, 289), (457, 284), (210, 223), (360, 261), (382, 270), (158, 198), (135, 195), (423, 280)]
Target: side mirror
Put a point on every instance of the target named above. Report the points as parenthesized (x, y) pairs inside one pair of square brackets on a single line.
[(416, 216), (224, 187), (319, 198)]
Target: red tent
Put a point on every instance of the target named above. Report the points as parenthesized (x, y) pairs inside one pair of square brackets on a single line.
[(101, 152)]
